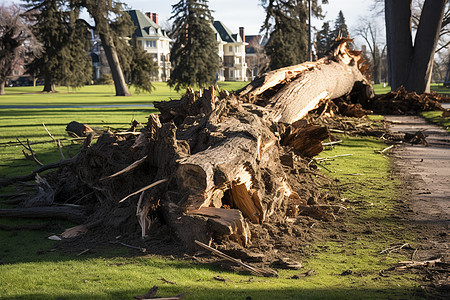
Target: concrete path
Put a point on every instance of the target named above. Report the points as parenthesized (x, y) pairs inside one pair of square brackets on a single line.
[(425, 169)]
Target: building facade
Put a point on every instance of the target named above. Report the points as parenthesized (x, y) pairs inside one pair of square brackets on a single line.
[(153, 39), (232, 53)]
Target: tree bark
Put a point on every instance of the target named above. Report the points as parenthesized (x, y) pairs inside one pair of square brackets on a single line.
[(399, 40), (410, 65), (49, 87), (114, 64), (424, 46), (2, 88)]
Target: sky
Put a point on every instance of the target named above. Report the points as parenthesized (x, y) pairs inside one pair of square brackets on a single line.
[(250, 15)]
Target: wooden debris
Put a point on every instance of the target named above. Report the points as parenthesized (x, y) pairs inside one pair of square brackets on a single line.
[(255, 270), (415, 264), (145, 188), (396, 248), (131, 167), (57, 142), (304, 86), (74, 231), (225, 223), (70, 213), (78, 129), (30, 156)]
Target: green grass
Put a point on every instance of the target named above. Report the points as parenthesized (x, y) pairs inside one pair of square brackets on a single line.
[(435, 87), (32, 269), (436, 117)]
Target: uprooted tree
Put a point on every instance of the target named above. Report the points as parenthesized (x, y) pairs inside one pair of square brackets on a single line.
[(211, 166)]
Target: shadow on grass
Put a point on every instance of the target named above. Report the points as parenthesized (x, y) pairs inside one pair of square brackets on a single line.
[(232, 290)]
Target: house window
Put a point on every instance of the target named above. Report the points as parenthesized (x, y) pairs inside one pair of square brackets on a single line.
[(150, 44), (236, 49), (231, 73), (238, 73), (230, 48)]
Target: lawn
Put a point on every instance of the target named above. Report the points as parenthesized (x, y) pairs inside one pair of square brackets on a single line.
[(435, 87), (32, 268)]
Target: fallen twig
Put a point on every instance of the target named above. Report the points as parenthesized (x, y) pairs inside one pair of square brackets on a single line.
[(61, 163), (255, 270), (395, 248), (331, 157), (332, 143), (145, 188), (384, 150), (413, 264), (57, 141), (28, 147), (127, 169)]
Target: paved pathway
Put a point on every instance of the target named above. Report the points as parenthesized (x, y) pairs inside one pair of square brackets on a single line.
[(428, 169)]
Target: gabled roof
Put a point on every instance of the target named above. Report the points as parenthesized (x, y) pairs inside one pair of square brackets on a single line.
[(145, 27), (225, 33)]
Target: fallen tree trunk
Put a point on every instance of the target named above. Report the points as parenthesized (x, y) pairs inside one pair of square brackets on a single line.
[(209, 166), (74, 214), (294, 91)]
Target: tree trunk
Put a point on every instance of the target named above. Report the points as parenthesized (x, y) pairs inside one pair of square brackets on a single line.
[(299, 89), (49, 87), (2, 88), (424, 46), (399, 40), (114, 65), (410, 65)]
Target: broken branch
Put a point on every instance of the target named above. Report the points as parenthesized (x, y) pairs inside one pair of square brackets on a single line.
[(255, 270), (144, 189), (127, 169)]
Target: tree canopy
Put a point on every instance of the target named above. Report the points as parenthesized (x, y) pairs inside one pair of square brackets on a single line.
[(65, 42), (193, 56), (17, 42), (286, 24)]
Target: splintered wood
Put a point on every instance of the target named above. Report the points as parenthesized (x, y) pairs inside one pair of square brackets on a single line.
[(211, 165)]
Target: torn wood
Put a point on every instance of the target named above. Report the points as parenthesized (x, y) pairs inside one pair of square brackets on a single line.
[(309, 84), (131, 167), (144, 189), (225, 223), (77, 129), (255, 270)]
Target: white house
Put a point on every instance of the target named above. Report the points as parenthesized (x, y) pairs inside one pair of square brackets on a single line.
[(153, 39), (232, 52)]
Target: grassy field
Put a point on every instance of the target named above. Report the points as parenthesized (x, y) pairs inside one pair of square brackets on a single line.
[(31, 268), (438, 88)]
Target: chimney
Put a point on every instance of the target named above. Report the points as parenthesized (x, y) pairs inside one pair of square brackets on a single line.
[(155, 18), (149, 15), (242, 33)]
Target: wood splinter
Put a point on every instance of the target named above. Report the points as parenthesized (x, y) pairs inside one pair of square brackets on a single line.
[(255, 270)]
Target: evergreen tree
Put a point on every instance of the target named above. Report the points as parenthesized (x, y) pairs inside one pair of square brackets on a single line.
[(112, 23), (17, 42), (340, 26), (193, 55), (324, 40), (65, 42), (287, 24), (141, 70)]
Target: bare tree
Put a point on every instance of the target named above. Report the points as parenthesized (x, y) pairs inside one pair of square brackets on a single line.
[(17, 42), (370, 32)]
